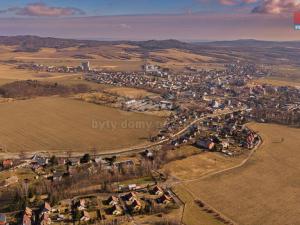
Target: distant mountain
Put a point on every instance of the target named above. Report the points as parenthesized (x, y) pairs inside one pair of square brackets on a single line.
[(162, 44), (250, 50), (250, 43), (35, 42)]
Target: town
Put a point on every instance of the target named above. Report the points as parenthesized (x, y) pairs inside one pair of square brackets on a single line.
[(209, 109)]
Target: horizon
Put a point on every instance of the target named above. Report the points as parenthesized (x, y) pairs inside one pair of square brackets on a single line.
[(145, 40), (191, 20)]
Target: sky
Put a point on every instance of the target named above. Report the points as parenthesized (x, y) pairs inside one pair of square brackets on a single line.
[(187, 20)]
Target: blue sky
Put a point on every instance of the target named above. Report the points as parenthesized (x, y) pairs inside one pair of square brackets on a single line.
[(151, 19)]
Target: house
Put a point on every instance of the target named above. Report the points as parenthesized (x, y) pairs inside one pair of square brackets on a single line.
[(61, 161), (100, 161), (112, 200), (164, 199), (39, 160), (81, 205), (130, 196), (45, 209), (7, 163), (157, 190), (2, 219), (135, 206), (132, 187), (116, 210), (225, 144), (85, 217), (124, 164), (73, 161), (28, 211), (57, 176), (26, 220), (72, 170), (148, 153), (27, 216), (45, 219), (206, 144)]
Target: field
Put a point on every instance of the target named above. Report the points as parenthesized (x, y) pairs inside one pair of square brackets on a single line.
[(62, 124), (8, 73), (103, 57), (129, 92), (279, 81), (123, 57), (198, 165), (191, 169), (263, 191)]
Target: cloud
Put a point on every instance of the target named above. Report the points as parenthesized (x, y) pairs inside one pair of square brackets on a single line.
[(228, 2), (236, 2), (125, 26), (41, 9), (277, 6)]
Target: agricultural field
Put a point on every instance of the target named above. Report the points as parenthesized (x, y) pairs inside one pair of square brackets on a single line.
[(283, 75), (63, 124), (195, 165), (102, 57), (129, 92), (8, 73), (279, 81), (193, 215), (122, 57), (199, 164), (264, 190)]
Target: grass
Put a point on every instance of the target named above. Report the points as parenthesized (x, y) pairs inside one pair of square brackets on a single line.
[(9, 73), (111, 58), (22, 173), (138, 181), (103, 57), (279, 81), (62, 124), (263, 191), (192, 167), (198, 165), (193, 215), (129, 92)]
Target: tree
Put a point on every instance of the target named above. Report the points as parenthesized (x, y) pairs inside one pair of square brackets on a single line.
[(86, 158), (53, 160)]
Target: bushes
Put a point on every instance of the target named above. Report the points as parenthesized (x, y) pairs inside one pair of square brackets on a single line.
[(33, 88)]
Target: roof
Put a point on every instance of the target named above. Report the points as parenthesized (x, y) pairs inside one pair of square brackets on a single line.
[(39, 160), (136, 203), (157, 188), (7, 162), (28, 211), (117, 208), (2, 218), (113, 198), (165, 198), (26, 220), (47, 206), (86, 214)]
